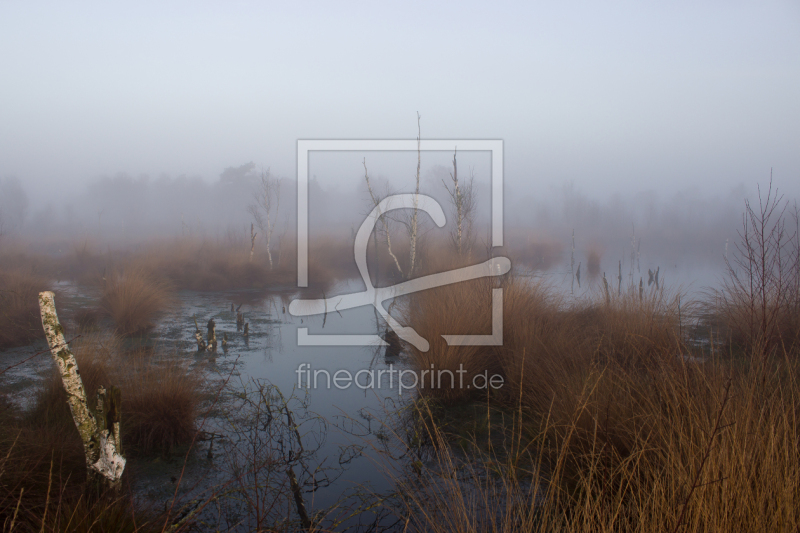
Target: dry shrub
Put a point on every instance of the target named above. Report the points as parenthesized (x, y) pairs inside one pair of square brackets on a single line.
[(759, 302), (19, 307), (460, 309), (160, 395), (133, 299)]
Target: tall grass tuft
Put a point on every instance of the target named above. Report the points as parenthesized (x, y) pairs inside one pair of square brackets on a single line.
[(699, 447), (133, 299), (160, 407)]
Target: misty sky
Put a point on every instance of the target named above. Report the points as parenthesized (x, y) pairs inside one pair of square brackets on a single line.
[(628, 96)]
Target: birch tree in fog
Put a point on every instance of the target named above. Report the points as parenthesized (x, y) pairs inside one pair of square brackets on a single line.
[(265, 209), (411, 223), (462, 199)]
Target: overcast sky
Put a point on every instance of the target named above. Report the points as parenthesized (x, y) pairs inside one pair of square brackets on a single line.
[(627, 96)]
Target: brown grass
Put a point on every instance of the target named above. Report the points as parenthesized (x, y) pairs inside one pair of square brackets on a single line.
[(134, 299), (707, 452), (159, 408), (602, 426)]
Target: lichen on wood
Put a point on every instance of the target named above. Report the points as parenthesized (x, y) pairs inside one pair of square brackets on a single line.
[(99, 430)]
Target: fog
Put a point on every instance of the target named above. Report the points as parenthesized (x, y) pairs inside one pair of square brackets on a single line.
[(118, 124)]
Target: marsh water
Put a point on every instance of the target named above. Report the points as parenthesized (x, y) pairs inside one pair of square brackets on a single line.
[(347, 419), (353, 440)]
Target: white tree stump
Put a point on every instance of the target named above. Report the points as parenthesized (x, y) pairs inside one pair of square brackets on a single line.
[(99, 431)]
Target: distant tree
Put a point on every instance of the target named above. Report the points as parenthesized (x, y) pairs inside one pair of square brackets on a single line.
[(244, 173), (265, 210), (462, 200)]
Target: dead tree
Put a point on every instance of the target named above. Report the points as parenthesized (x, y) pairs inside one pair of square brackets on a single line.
[(411, 224), (266, 207), (414, 230), (99, 429), (253, 236), (572, 264), (384, 225), (462, 198)]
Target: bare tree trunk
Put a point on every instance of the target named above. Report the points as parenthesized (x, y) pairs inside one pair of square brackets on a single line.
[(415, 212), (266, 209), (253, 236), (572, 264), (99, 431), (384, 226)]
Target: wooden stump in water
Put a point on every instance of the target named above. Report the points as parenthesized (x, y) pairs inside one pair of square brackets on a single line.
[(212, 335), (394, 345), (201, 344)]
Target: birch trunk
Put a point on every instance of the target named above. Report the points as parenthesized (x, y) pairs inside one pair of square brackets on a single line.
[(99, 431)]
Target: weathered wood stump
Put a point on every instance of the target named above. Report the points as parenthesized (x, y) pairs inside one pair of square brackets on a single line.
[(212, 335), (201, 344), (99, 429)]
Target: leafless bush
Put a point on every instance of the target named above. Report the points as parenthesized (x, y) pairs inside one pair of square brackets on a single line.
[(759, 299), (270, 452)]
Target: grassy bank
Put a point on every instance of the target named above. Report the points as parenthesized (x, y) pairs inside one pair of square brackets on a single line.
[(608, 417)]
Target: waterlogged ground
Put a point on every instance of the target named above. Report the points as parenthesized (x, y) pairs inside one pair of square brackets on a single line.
[(344, 422), (352, 415)]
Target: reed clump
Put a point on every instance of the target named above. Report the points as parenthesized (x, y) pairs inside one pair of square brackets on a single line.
[(161, 405), (134, 299), (670, 446)]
